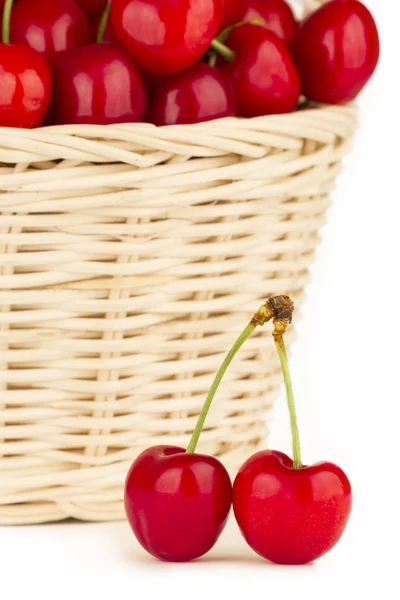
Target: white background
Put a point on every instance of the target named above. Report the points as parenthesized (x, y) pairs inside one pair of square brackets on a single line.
[(345, 366)]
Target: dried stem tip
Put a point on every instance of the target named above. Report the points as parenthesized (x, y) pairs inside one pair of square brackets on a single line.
[(276, 308), (282, 308)]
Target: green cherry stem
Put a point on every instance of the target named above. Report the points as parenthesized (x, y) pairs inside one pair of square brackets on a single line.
[(212, 58), (103, 23), (218, 44), (273, 308), (223, 50), (6, 21), (225, 33), (279, 330), (222, 370)]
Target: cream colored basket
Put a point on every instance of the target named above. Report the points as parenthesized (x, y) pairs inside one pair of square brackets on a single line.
[(131, 257)]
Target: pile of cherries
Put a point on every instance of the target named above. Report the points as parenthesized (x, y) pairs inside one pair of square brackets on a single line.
[(178, 502), (177, 61)]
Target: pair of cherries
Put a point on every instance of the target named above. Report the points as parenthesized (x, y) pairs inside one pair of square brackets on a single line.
[(152, 66), (178, 502)]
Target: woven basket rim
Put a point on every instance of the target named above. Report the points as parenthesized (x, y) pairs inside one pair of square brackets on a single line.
[(234, 120)]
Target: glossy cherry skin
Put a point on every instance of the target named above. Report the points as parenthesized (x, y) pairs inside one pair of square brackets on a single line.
[(290, 516), (277, 16), (234, 12), (98, 84), (25, 86), (177, 504), (52, 28), (200, 93), (93, 8), (336, 51), (165, 37), (263, 74)]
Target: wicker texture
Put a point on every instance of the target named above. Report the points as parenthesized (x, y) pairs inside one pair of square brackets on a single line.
[(130, 257)]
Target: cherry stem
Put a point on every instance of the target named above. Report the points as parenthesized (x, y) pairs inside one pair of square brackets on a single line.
[(212, 58), (225, 33), (279, 330), (223, 50), (6, 21), (273, 308), (103, 23), (222, 370), (218, 44)]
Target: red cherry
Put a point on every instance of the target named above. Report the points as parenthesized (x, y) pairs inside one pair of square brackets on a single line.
[(277, 16), (290, 516), (177, 503), (289, 513), (52, 28), (25, 86), (336, 51), (234, 12), (93, 8), (200, 93), (165, 37), (262, 71), (98, 84)]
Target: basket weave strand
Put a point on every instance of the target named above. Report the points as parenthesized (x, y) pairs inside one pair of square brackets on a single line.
[(130, 257)]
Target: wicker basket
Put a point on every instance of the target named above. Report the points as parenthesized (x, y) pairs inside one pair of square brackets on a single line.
[(131, 256)]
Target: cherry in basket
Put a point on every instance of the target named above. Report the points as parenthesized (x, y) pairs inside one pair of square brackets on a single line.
[(336, 51), (200, 93), (52, 28), (261, 69), (87, 78), (290, 513), (165, 37), (275, 15), (25, 81), (101, 84), (177, 502)]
